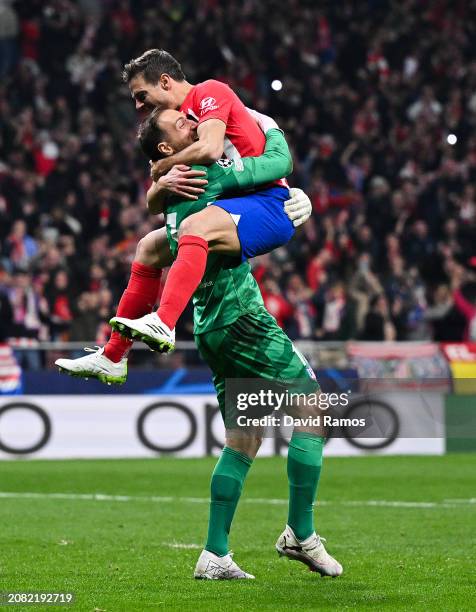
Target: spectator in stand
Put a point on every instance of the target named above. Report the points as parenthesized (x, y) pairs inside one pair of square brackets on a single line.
[(419, 246), (336, 314), (300, 298), (6, 310), (275, 302), (19, 247), (464, 296), (29, 310), (444, 318), (10, 372), (59, 296), (363, 287), (86, 319), (378, 325), (8, 37), (316, 274), (426, 109)]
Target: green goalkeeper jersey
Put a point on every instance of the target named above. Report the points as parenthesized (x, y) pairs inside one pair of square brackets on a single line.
[(228, 289)]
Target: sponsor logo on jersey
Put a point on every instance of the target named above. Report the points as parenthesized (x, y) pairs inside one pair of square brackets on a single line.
[(207, 104)]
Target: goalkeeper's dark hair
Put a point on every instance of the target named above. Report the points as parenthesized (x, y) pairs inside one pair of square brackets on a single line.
[(150, 135), (152, 65)]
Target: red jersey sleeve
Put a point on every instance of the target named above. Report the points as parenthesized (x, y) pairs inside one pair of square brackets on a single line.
[(213, 100)]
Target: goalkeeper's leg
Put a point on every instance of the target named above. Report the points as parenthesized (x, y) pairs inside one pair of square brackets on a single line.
[(299, 540), (228, 478)]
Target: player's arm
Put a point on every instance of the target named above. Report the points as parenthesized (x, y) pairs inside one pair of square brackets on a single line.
[(206, 150), (156, 198), (180, 181), (258, 170), (214, 103), (273, 164)]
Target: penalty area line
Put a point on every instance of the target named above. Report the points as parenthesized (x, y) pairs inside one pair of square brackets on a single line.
[(103, 497)]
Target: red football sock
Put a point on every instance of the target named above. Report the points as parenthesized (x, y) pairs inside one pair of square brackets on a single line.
[(138, 299), (183, 279)]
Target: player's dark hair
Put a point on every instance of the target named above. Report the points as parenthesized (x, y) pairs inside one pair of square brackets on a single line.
[(152, 65), (150, 135)]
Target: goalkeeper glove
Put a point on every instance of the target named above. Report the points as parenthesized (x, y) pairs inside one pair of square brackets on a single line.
[(298, 207)]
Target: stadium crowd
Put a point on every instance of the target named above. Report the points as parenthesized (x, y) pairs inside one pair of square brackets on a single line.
[(377, 100)]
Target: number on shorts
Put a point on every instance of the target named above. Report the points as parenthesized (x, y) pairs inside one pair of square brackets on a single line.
[(172, 223)]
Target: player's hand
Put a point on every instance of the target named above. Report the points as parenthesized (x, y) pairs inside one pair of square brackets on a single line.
[(159, 168), (298, 207), (184, 182)]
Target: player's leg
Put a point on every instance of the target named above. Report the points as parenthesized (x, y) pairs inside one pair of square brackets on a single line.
[(249, 226), (299, 540), (109, 364), (266, 352), (226, 487), (256, 347), (157, 329), (228, 477), (212, 227), (246, 226), (140, 296)]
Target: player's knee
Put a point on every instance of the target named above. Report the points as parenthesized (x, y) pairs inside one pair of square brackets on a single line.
[(248, 445), (193, 226), (146, 250)]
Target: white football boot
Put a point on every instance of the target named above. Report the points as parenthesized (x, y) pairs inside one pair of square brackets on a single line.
[(149, 328), (212, 567), (95, 365), (310, 551)]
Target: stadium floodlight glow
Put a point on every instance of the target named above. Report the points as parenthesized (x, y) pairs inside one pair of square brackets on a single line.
[(451, 139), (276, 85)]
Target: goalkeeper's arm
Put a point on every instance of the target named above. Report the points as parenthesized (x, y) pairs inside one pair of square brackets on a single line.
[(248, 172), (275, 163)]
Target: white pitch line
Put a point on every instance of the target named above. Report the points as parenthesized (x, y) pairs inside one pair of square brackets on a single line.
[(179, 545), (380, 503)]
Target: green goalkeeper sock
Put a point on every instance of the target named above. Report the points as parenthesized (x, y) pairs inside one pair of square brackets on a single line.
[(227, 482), (304, 470)]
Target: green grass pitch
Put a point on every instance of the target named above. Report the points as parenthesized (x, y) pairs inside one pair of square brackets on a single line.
[(403, 528)]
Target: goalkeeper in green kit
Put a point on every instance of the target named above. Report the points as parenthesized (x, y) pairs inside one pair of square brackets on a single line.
[(239, 339)]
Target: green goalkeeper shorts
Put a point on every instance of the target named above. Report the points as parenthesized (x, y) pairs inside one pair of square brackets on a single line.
[(255, 347)]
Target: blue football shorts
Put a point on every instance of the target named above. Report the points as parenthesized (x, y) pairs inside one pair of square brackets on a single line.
[(260, 220)]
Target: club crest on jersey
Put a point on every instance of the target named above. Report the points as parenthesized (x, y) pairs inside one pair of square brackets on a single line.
[(207, 104), (225, 163)]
